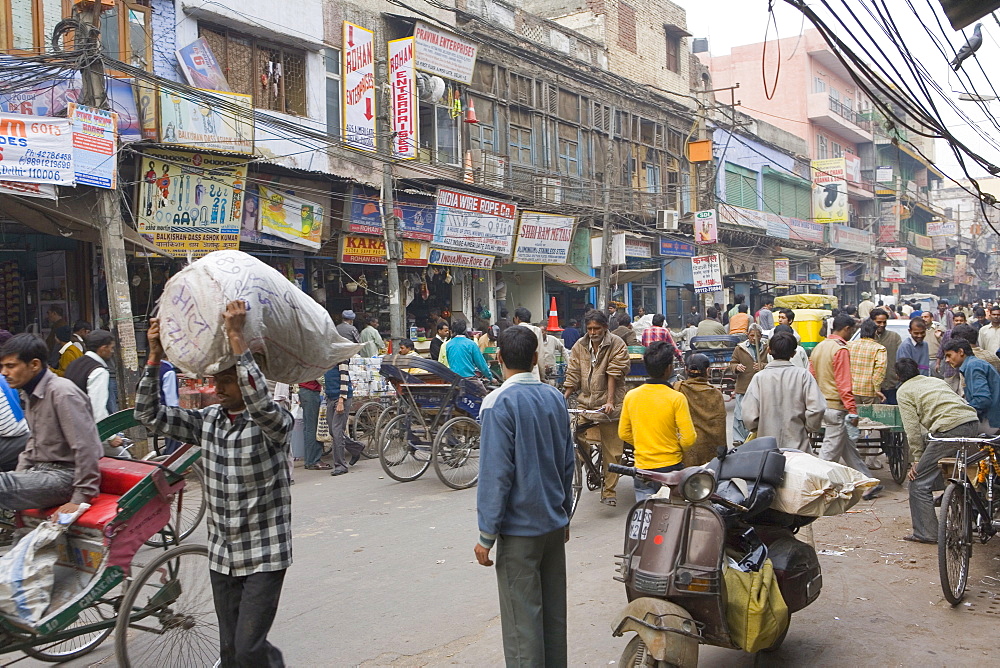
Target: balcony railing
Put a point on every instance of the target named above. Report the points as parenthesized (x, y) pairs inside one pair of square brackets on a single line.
[(845, 112)]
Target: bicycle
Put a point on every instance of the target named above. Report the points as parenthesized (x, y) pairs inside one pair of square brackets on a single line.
[(969, 505), (589, 462)]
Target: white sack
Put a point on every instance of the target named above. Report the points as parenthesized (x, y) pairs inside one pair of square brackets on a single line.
[(292, 337), (815, 487), (27, 573)]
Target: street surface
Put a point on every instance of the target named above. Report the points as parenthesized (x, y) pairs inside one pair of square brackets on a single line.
[(384, 575)]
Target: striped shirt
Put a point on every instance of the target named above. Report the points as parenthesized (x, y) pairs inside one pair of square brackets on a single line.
[(12, 422), (246, 470), (868, 362)]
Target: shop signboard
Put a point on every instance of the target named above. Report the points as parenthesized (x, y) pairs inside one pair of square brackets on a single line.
[(416, 217), (191, 202), (543, 238), (671, 248), (43, 190), (922, 242), (883, 174), (637, 248), (200, 67), (94, 157), (444, 53), (359, 87), (474, 223), (961, 267), (355, 249), (706, 227), (829, 194), (942, 228), (782, 270), (706, 271), (779, 227), (195, 122), (930, 266), (827, 267), (36, 149), (460, 259), (291, 218), (847, 238), (403, 84), (888, 222), (896, 254), (893, 274), (852, 168)]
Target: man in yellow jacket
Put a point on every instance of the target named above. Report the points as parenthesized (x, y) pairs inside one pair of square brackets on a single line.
[(656, 420)]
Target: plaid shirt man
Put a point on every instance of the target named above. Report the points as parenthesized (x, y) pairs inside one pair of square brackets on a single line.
[(654, 333), (868, 365), (246, 470)]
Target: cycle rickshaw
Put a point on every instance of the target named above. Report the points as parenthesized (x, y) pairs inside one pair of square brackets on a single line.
[(161, 609), (435, 422)]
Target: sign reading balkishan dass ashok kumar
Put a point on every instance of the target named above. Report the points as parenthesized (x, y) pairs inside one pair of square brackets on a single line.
[(359, 87)]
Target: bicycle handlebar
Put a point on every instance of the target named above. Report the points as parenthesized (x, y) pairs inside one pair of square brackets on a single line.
[(966, 440), (622, 470)]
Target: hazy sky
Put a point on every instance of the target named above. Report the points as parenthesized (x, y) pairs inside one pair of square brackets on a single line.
[(728, 23)]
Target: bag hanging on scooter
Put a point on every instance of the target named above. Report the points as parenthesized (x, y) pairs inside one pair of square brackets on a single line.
[(755, 611)]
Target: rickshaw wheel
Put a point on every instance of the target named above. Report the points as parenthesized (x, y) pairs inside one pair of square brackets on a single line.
[(187, 510), (167, 616), (456, 453), (71, 648), (365, 427), (402, 457)]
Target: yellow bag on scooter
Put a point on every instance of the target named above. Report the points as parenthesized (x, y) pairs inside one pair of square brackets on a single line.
[(755, 611)]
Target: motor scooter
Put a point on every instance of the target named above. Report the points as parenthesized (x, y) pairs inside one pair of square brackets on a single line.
[(673, 564)]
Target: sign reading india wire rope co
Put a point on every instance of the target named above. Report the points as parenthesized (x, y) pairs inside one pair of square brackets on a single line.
[(36, 149), (543, 238), (706, 272), (459, 259), (470, 222), (359, 87), (403, 82), (191, 202)]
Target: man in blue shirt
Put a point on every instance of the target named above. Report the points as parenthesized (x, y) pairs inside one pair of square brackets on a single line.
[(982, 383), (339, 392), (524, 500), (571, 334), (462, 355), (915, 347)]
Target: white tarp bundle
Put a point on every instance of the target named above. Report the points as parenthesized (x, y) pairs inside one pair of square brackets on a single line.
[(292, 337), (27, 573), (815, 487)]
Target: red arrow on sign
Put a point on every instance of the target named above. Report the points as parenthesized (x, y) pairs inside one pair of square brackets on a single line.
[(368, 108), (350, 35)]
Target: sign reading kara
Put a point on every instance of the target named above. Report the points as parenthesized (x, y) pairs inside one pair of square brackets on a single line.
[(359, 87), (444, 53)]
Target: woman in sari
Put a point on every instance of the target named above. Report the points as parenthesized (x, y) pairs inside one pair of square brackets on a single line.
[(708, 411)]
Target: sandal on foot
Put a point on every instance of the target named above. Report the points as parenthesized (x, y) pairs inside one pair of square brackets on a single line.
[(610, 501), (913, 539), (318, 466)]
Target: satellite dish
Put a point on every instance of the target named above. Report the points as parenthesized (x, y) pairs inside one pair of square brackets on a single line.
[(430, 88)]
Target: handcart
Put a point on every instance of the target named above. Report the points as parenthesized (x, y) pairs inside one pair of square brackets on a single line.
[(436, 422), (881, 429)]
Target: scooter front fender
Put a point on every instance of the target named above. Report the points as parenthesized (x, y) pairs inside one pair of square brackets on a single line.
[(668, 630)]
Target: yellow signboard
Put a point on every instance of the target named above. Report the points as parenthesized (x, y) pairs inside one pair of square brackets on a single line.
[(930, 267), (356, 249)]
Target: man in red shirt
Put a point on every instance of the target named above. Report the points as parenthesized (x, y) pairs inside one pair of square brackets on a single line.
[(657, 332)]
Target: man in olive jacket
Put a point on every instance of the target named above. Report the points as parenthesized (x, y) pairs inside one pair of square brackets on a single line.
[(597, 368)]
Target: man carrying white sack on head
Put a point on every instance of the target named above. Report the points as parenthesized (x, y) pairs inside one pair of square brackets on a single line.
[(244, 441)]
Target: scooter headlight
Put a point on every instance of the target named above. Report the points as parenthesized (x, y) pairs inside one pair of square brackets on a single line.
[(698, 486)]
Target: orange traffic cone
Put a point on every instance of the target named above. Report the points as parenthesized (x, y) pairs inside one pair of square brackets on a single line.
[(470, 113), (553, 325)]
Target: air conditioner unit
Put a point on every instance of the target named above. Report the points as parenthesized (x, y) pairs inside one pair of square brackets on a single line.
[(549, 190), (667, 220)]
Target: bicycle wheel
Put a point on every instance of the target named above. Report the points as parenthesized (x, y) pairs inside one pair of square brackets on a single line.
[(402, 457), (955, 542), (365, 427), (187, 510), (577, 480), (372, 446), (456, 453), (167, 616), (896, 454), (71, 648)]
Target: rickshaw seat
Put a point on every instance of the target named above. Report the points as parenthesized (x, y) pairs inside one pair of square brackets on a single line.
[(118, 476)]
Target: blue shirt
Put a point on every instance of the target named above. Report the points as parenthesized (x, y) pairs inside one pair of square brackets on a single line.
[(919, 353), (526, 473), (982, 389), (338, 382), (570, 336), (465, 357)]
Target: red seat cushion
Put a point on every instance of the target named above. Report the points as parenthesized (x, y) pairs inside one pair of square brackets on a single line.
[(118, 476), (102, 510)]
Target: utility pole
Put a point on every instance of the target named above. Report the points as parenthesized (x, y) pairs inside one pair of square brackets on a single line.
[(607, 240), (390, 223), (109, 213)]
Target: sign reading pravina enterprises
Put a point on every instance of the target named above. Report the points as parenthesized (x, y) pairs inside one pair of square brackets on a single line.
[(95, 162), (707, 273), (36, 149), (359, 87), (543, 238), (469, 222), (403, 82), (191, 202), (444, 53)]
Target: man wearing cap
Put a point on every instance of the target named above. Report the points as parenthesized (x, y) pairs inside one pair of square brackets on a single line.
[(866, 305), (346, 327)]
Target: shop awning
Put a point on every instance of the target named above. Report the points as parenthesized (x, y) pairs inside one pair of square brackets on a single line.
[(628, 275), (570, 275), (48, 220)]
